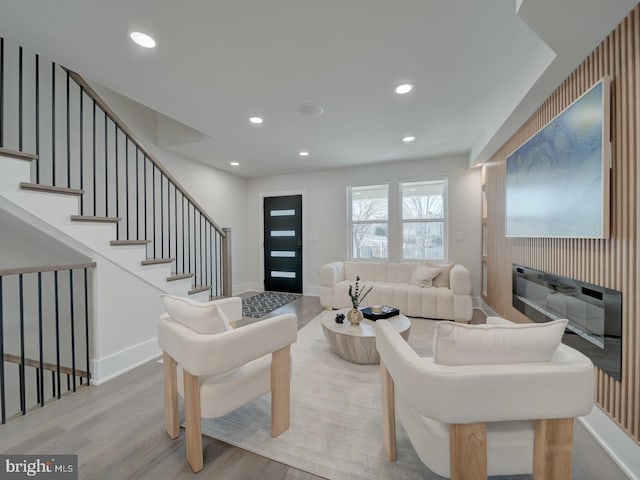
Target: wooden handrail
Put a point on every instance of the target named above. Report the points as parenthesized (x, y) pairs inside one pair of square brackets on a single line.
[(46, 366), (46, 268), (134, 139)]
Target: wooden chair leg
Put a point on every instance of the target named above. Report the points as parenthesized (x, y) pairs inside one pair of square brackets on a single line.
[(553, 449), (388, 413), (280, 390), (193, 431), (468, 451), (170, 395)]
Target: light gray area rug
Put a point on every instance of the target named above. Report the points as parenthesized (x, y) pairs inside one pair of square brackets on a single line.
[(336, 422)]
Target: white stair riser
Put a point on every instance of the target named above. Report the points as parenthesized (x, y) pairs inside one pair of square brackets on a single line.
[(56, 210)]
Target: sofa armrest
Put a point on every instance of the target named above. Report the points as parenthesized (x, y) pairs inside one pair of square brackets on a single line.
[(460, 280), (331, 273)]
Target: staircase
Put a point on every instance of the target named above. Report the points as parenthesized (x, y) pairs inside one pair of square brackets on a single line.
[(69, 162), (70, 167)]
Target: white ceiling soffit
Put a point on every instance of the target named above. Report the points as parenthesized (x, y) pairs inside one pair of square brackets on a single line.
[(572, 29), (479, 68)]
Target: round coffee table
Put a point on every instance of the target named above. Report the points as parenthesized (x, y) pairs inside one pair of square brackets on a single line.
[(357, 344)]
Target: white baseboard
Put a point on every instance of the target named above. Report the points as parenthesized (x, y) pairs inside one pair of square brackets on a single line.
[(490, 312), (622, 449), (241, 288), (109, 367)]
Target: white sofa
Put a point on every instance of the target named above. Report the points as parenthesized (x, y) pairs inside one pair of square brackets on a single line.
[(391, 287)]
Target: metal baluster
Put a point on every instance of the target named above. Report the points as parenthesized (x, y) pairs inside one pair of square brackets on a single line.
[(184, 248), (68, 137), (169, 217), (162, 215), (23, 392), (73, 330), (20, 95), (53, 123), (3, 410), (144, 164), (38, 396), (106, 167), (95, 194), (137, 196), (86, 324), (81, 149), (189, 237), (115, 131), (37, 72), (153, 205), (57, 310), (40, 343), (53, 384), (126, 181), (175, 209)]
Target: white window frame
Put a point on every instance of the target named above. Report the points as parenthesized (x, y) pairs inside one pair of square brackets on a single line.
[(444, 220), (351, 222)]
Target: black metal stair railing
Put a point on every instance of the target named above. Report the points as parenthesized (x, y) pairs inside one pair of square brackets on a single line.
[(81, 143), (45, 323)]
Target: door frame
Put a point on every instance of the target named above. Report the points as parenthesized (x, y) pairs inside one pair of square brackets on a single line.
[(260, 239)]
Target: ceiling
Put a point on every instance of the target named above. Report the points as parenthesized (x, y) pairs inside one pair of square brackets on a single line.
[(479, 69)]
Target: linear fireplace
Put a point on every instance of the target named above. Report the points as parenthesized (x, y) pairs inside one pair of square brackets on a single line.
[(594, 313)]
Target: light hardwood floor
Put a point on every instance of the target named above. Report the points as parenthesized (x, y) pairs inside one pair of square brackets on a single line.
[(117, 431)]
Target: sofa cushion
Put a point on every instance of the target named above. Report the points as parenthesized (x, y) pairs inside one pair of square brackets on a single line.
[(462, 344), (200, 317), (423, 276), (442, 279)]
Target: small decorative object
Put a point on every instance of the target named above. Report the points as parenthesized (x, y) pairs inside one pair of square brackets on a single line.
[(357, 296), (376, 308), (340, 318)]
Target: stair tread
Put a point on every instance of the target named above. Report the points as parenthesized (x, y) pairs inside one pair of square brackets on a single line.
[(198, 288), (118, 243), (89, 218), (50, 188), (154, 261), (19, 155), (179, 276)]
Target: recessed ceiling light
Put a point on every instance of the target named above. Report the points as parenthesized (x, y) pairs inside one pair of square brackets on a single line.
[(143, 39), (256, 120), (235, 164), (404, 88), (408, 139), (357, 193), (303, 154)]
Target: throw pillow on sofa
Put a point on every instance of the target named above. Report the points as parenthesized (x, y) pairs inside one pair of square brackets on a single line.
[(199, 317), (442, 279), (423, 276), (462, 344)]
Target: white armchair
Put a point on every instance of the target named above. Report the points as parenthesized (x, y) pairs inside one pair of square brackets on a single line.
[(217, 373), (470, 419)]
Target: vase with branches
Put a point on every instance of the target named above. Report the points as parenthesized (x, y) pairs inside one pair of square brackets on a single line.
[(357, 295)]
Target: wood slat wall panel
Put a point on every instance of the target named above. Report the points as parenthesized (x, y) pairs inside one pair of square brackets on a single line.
[(611, 262)]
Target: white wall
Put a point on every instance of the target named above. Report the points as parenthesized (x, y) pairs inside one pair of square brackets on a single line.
[(22, 245), (325, 212), (221, 194)]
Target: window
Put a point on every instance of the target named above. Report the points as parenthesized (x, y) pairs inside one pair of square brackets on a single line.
[(423, 220), (369, 221)]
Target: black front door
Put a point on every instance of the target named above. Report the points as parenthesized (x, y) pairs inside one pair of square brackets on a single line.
[(283, 244)]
